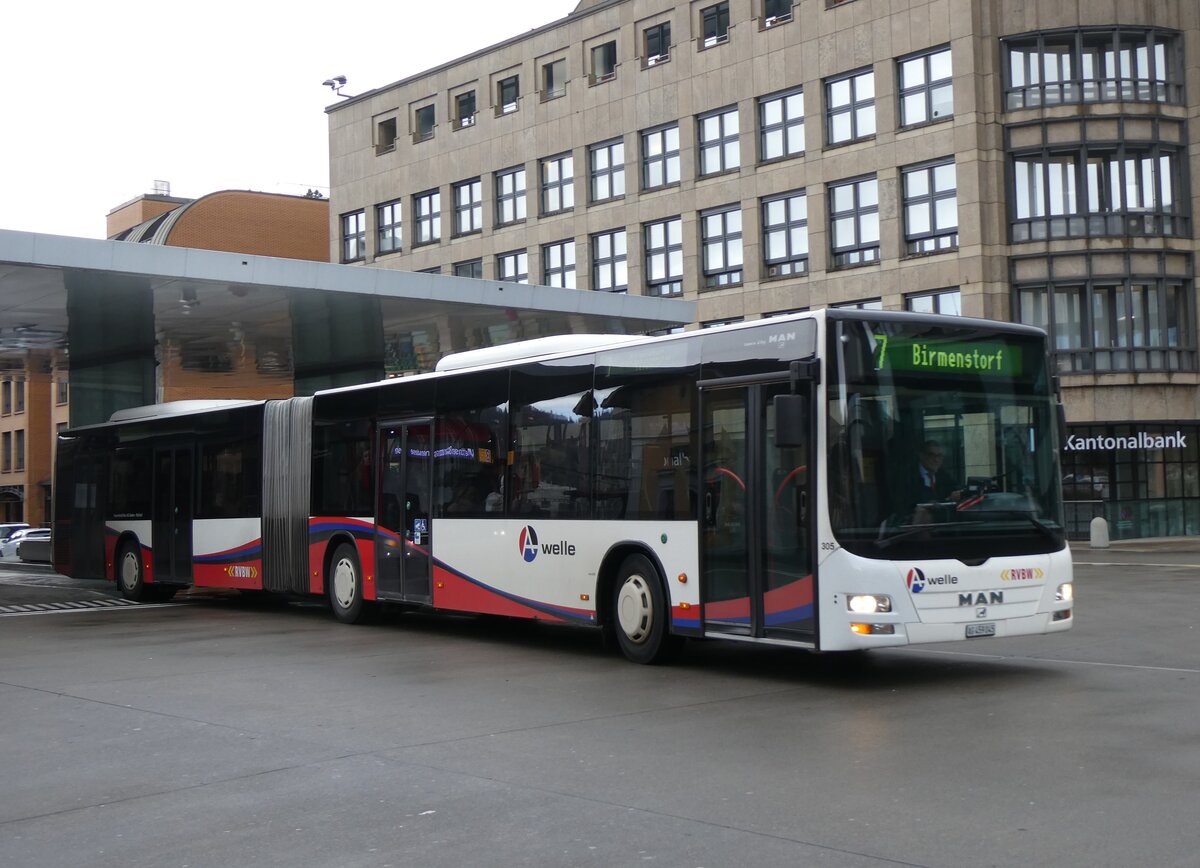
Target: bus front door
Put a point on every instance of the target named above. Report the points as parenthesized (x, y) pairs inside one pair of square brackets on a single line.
[(171, 527), (404, 532), (756, 515)]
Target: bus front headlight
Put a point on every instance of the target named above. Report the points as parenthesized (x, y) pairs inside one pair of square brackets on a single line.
[(869, 604), (1065, 593)]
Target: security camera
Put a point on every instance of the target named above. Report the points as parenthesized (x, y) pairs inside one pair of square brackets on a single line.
[(336, 84)]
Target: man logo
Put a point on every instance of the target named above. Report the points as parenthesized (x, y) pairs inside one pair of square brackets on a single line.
[(528, 543), (916, 580)]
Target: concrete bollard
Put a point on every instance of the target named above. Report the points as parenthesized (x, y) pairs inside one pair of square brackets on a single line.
[(1099, 530)]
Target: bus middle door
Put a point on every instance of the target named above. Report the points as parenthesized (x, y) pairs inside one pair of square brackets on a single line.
[(404, 532)]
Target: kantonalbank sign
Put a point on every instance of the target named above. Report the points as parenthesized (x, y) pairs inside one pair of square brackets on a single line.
[(1140, 440), (988, 358)]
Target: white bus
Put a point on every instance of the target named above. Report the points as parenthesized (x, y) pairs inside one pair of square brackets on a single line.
[(761, 482)]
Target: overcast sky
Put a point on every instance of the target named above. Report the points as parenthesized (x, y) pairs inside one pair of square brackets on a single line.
[(103, 99)]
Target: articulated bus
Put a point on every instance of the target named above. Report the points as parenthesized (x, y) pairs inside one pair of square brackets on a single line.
[(760, 482)]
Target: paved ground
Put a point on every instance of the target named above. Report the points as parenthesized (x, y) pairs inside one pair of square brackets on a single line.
[(218, 732)]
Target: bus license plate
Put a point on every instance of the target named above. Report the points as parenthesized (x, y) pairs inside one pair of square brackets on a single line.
[(976, 631)]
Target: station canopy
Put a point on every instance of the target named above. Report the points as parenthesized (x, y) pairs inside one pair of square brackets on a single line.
[(119, 318)]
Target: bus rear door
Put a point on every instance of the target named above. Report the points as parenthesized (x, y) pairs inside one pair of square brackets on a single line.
[(172, 516)]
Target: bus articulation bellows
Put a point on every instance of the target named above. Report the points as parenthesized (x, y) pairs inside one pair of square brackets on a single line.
[(759, 482)]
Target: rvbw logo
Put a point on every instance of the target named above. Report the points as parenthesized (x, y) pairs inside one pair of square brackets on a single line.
[(528, 543)]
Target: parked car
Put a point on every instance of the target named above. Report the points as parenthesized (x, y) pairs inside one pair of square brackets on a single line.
[(9, 528), (8, 547)]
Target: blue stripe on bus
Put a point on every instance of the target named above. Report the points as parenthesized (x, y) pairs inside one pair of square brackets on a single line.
[(800, 613), (248, 551), (565, 614)]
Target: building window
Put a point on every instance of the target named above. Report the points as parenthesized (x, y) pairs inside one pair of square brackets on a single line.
[(606, 170), (610, 268), (717, 323), (510, 196), (464, 109), (1103, 189), (785, 234), (930, 207), (423, 123), (1093, 65), (943, 301), (718, 145), (468, 206), (781, 125), (63, 393), (558, 264), (657, 43), (558, 183), (721, 246), (663, 242), (6, 440), (19, 393), (850, 107), (864, 304), (926, 87), (385, 136), (508, 95), (6, 401), (19, 450), (604, 62), (1136, 323), (354, 236), (776, 12), (660, 157), (513, 266), (469, 268), (554, 79), (854, 221), (427, 215), (714, 25), (389, 237)]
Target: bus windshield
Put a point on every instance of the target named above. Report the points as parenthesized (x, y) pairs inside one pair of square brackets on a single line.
[(941, 442)]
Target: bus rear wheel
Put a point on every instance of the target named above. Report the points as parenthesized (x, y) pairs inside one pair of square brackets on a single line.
[(640, 615), (345, 585), (130, 579)]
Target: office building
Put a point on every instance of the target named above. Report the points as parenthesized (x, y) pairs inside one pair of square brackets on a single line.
[(1038, 162)]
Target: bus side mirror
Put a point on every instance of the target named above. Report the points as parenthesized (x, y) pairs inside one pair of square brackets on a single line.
[(791, 421)]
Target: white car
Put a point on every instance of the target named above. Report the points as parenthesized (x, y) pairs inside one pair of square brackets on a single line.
[(9, 528), (8, 548)]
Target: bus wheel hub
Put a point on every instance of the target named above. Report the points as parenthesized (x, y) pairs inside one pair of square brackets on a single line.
[(635, 608)]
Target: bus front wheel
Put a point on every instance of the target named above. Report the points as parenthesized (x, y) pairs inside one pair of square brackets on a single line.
[(640, 615), (345, 585)]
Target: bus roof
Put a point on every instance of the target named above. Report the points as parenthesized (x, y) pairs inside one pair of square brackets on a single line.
[(533, 348), (179, 408)]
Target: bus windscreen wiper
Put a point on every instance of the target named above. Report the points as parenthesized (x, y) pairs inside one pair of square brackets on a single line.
[(1048, 531), (883, 542)]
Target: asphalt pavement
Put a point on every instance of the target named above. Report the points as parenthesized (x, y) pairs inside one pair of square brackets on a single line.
[(218, 731)]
